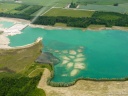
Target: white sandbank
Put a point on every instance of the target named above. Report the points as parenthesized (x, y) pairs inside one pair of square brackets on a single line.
[(19, 24), (80, 55), (79, 50), (66, 58), (56, 51), (74, 72), (79, 59), (79, 66), (70, 64), (65, 61), (72, 52)]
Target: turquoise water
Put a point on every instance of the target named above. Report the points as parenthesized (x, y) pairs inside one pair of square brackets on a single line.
[(6, 24), (93, 54)]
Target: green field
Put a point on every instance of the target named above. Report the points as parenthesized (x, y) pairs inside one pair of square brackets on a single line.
[(7, 7), (69, 13), (48, 2), (19, 60), (109, 17), (102, 2), (121, 8)]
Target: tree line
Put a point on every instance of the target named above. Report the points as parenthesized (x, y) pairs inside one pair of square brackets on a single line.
[(85, 21), (82, 22), (23, 86)]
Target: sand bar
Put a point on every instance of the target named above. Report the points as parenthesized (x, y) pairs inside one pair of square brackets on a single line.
[(74, 72), (72, 52), (70, 64), (79, 66)]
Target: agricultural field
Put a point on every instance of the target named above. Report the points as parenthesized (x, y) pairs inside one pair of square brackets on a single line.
[(107, 15), (24, 9), (69, 13), (7, 7), (59, 3), (121, 8), (101, 2)]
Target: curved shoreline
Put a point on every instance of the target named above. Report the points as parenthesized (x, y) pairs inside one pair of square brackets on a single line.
[(50, 27), (85, 87), (63, 84), (24, 46)]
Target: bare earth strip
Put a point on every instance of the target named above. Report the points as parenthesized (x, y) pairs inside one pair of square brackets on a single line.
[(85, 88)]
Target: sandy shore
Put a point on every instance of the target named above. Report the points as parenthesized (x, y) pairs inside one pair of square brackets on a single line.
[(102, 27), (85, 88), (94, 27), (5, 41), (15, 20)]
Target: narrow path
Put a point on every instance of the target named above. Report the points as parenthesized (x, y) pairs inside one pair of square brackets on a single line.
[(34, 71)]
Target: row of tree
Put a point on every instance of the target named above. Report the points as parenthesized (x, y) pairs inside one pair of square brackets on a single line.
[(76, 22), (21, 7), (84, 22)]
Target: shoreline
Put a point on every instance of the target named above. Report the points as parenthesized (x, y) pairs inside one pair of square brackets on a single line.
[(86, 87), (24, 46), (18, 20), (5, 40)]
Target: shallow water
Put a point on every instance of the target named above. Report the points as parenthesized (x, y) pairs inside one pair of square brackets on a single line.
[(93, 54), (6, 24)]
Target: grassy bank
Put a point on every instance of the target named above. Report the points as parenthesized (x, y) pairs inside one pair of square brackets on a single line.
[(19, 74), (19, 60)]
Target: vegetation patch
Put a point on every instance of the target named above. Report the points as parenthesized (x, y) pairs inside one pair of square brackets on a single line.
[(19, 74), (23, 86), (32, 10), (69, 13), (107, 15), (19, 59), (7, 7), (73, 5), (102, 2), (21, 7), (36, 72)]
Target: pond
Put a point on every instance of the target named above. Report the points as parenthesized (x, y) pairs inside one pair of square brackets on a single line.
[(82, 54)]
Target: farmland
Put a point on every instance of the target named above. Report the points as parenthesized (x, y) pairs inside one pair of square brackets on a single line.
[(6, 7), (21, 9), (121, 8), (59, 3), (102, 2), (69, 13)]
